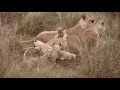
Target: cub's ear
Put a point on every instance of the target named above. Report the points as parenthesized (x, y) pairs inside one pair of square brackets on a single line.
[(60, 29), (83, 16)]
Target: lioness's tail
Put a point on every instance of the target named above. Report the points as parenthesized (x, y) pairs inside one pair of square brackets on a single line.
[(28, 41)]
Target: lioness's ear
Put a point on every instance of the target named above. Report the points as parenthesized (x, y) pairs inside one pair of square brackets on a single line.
[(83, 16)]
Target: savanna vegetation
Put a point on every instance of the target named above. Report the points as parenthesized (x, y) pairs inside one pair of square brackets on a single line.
[(102, 62)]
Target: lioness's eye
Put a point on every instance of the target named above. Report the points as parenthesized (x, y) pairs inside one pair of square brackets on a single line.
[(92, 21)]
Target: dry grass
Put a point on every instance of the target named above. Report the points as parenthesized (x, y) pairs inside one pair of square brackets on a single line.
[(102, 62)]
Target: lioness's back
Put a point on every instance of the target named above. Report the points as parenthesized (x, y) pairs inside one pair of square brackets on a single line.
[(46, 36)]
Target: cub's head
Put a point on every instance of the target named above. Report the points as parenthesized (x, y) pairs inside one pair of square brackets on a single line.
[(86, 21), (57, 46), (37, 43), (61, 33), (60, 46), (59, 39)]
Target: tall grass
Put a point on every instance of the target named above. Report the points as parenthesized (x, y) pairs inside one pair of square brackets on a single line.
[(102, 62)]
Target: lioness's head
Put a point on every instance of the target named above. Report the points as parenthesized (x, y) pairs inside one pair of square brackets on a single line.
[(101, 27), (86, 21)]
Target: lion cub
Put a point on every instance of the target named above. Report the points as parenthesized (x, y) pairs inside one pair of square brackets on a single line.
[(53, 53), (60, 38), (61, 33), (66, 55), (43, 47), (62, 55)]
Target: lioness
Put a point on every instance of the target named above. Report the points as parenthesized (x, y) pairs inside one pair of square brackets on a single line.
[(92, 35), (84, 23)]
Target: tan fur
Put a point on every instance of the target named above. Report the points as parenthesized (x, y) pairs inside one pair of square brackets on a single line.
[(37, 51), (54, 52), (42, 46), (66, 55), (91, 35), (59, 39), (84, 23), (62, 55), (54, 55), (49, 49), (73, 34), (49, 52), (61, 33)]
